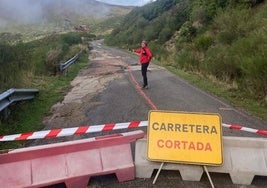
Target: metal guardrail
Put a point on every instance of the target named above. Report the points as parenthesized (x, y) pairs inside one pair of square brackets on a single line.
[(14, 95), (68, 63), (65, 65)]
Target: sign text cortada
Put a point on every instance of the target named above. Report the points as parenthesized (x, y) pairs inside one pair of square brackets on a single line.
[(185, 137)]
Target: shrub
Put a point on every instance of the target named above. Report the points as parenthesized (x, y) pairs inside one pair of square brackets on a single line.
[(13, 61), (204, 10), (232, 24), (251, 52), (71, 38), (222, 64), (158, 50), (186, 60), (6, 53), (165, 34), (52, 61), (199, 14), (188, 31), (202, 43)]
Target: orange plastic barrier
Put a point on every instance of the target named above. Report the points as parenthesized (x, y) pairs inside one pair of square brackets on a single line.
[(70, 162)]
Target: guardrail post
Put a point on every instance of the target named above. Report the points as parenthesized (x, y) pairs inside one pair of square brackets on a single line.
[(6, 113)]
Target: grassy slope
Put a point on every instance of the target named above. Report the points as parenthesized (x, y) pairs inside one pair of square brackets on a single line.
[(27, 116)]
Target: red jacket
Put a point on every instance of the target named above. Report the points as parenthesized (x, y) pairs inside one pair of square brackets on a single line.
[(145, 54)]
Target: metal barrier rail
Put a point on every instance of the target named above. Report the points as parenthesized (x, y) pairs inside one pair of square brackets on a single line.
[(68, 63), (14, 95)]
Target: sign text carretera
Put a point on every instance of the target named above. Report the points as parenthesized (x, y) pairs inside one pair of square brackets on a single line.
[(185, 137)]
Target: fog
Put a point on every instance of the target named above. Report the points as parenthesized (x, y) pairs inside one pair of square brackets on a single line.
[(36, 11), (127, 2), (24, 11)]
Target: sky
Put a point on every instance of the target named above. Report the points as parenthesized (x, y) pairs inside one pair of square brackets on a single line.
[(127, 2)]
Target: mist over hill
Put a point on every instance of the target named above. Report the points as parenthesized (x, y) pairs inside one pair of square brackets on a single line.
[(59, 12), (128, 2)]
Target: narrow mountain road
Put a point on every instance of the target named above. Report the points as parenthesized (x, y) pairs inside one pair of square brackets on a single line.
[(109, 91), (123, 100)]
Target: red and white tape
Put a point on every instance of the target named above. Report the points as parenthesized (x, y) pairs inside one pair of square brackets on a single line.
[(72, 131), (100, 128), (239, 127)]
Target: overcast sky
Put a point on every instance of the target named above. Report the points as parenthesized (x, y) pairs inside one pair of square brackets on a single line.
[(126, 2)]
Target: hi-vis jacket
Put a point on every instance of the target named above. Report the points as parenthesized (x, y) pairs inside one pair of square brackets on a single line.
[(145, 54)]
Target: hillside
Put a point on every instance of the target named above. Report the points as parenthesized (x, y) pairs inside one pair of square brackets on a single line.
[(223, 40), (32, 19)]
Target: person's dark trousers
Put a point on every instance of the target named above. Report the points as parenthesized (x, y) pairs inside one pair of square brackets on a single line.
[(144, 73)]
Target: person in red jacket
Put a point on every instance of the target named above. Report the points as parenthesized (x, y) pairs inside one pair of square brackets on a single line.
[(145, 57)]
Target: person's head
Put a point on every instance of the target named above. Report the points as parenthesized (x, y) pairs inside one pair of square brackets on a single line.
[(144, 43)]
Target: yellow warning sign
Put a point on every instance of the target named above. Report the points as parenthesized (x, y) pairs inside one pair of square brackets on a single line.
[(181, 137)]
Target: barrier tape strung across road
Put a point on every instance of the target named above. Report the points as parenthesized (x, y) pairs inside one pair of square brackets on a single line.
[(72, 131), (100, 128), (247, 129)]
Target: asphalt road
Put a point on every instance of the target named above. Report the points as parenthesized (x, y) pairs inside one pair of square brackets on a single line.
[(122, 100)]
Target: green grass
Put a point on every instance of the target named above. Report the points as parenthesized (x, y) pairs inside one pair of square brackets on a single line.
[(238, 99), (27, 116)]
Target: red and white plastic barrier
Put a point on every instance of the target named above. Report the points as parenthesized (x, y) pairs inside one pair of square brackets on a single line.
[(100, 128), (73, 162)]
